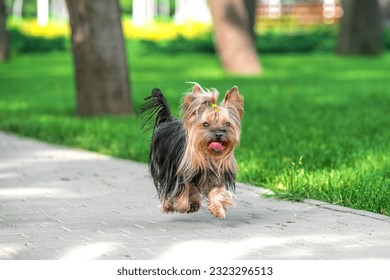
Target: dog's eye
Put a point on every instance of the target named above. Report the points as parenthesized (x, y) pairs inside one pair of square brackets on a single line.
[(227, 124), (206, 124)]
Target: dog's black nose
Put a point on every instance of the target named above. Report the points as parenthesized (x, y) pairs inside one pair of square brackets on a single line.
[(218, 135)]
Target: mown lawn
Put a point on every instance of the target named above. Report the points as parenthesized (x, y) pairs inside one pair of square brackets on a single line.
[(315, 126)]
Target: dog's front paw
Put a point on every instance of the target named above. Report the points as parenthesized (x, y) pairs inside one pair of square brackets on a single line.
[(217, 210), (219, 199)]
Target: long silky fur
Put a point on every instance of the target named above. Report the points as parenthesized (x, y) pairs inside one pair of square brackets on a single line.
[(155, 106), (194, 167), (169, 162), (167, 145)]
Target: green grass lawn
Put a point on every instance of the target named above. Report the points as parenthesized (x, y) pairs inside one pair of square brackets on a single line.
[(315, 126)]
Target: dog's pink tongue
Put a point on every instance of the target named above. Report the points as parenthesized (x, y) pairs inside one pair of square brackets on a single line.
[(215, 146)]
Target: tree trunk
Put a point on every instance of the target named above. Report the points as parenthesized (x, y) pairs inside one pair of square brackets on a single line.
[(4, 41), (17, 9), (234, 32), (361, 28), (101, 70), (384, 6)]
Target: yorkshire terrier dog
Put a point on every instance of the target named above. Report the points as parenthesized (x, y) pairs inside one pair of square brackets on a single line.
[(193, 158)]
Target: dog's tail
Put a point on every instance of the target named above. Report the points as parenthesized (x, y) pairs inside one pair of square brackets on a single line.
[(155, 106)]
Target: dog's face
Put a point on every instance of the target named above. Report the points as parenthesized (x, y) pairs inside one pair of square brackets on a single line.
[(213, 130), (218, 132)]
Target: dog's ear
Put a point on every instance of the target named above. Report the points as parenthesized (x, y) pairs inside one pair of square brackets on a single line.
[(189, 98), (197, 89), (197, 102), (233, 99)]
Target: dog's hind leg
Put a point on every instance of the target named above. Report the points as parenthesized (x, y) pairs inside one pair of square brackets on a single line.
[(188, 201), (195, 199), (181, 203), (166, 206)]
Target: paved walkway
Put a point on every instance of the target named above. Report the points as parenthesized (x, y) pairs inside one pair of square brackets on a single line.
[(60, 203)]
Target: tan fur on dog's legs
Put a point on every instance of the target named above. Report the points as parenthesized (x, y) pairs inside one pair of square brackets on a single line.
[(181, 203), (195, 199), (187, 202), (166, 206), (219, 199)]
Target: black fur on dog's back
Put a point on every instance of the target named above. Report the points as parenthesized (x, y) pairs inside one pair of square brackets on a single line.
[(167, 145)]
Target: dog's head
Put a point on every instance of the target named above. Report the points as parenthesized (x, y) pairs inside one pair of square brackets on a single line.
[(212, 129)]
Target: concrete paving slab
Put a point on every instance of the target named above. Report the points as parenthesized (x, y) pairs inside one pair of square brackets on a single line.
[(62, 203)]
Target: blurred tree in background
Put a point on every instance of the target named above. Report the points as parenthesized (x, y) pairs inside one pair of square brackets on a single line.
[(101, 70), (234, 32), (4, 44), (361, 28)]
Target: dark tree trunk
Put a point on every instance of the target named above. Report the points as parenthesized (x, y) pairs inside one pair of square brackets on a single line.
[(99, 54), (4, 40), (361, 28), (234, 33)]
